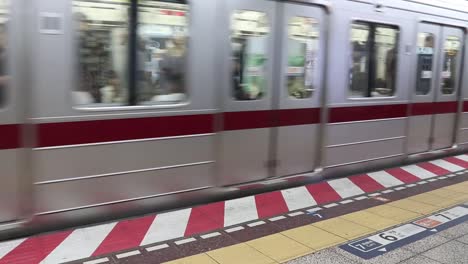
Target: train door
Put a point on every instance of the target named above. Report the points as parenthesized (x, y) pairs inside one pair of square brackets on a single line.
[(10, 115), (435, 99), (299, 87), (247, 41)]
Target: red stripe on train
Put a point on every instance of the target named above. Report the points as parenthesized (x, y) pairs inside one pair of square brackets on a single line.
[(360, 113), (11, 135), (83, 132), (434, 108)]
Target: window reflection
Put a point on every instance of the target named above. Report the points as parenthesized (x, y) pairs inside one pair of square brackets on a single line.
[(425, 53), (249, 30), (102, 40), (374, 58), (4, 73), (162, 53), (449, 72), (302, 56)]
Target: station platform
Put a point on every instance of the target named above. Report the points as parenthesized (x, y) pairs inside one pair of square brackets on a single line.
[(410, 214)]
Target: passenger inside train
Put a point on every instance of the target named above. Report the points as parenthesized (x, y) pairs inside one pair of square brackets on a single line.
[(161, 54), (4, 76)]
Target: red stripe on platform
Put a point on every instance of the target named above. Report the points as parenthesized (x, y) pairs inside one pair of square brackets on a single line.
[(323, 193), (403, 175), (126, 234), (433, 168), (35, 249), (205, 218), (366, 183), (270, 204), (457, 161)]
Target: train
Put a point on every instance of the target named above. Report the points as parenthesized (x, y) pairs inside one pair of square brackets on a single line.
[(112, 107)]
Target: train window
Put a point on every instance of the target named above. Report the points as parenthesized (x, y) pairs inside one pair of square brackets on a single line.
[(4, 73), (302, 55), (449, 68), (425, 53), (374, 57), (102, 45), (125, 60), (249, 30), (162, 52)]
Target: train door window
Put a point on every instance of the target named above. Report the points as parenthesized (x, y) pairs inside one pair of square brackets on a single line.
[(4, 73), (249, 43), (302, 55), (162, 52), (156, 72), (374, 59), (102, 47), (449, 68), (425, 52)]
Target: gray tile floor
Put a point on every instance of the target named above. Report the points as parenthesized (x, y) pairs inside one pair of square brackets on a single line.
[(447, 247)]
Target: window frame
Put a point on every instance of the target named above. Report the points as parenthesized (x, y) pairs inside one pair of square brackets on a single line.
[(351, 52), (7, 95), (435, 55), (458, 69), (131, 102), (317, 68), (268, 90)]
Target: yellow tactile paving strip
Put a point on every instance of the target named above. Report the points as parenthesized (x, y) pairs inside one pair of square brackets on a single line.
[(297, 242)]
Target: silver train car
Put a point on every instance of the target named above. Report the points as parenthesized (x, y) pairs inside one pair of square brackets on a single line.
[(116, 106)]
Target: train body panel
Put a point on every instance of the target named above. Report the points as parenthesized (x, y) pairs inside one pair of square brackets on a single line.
[(125, 106)]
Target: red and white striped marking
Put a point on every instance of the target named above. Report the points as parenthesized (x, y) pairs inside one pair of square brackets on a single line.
[(102, 239)]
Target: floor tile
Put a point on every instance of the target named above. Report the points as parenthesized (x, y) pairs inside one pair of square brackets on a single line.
[(313, 237), (158, 256), (370, 220), (446, 193), (327, 256), (414, 206), (460, 187), (434, 200), (463, 239), (279, 247), (426, 243), (394, 213), (455, 232), (203, 245), (196, 259), (392, 257), (240, 253), (419, 260), (343, 228), (453, 252), (250, 233)]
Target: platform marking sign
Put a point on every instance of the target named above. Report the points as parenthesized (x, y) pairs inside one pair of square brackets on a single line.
[(383, 242)]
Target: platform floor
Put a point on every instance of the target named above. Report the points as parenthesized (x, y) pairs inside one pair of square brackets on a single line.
[(307, 224)]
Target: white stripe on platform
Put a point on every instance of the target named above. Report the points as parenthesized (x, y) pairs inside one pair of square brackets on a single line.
[(81, 243), (345, 188), (418, 171), (447, 165), (7, 247), (385, 179), (240, 211), (462, 157), (298, 198), (167, 226)]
